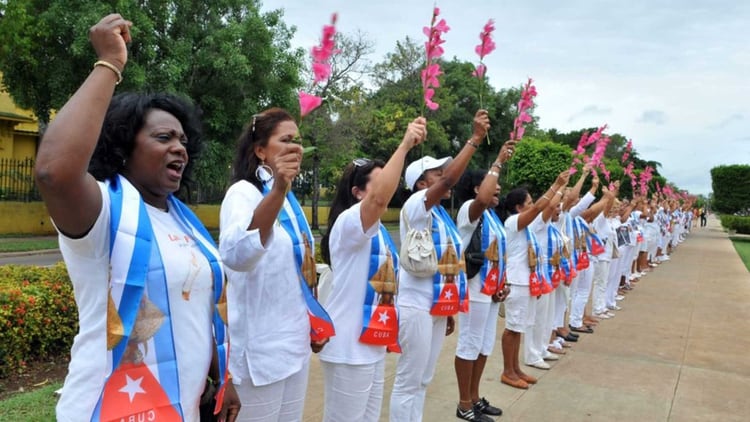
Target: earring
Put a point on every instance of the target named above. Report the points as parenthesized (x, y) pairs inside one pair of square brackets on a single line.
[(265, 175)]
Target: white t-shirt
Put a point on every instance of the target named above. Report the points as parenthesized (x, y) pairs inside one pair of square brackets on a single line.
[(187, 271), (350, 262), (606, 234), (417, 292), (517, 249), (466, 230), (269, 329)]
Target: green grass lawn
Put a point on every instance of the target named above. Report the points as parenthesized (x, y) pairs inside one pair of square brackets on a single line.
[(32, 406), (27, 244), (743, 249)]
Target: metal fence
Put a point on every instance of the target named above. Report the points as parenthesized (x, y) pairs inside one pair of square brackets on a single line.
[(17, 180)]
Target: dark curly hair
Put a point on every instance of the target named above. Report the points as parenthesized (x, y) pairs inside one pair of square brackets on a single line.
[(356, 173), (125, 118), (257, 132)]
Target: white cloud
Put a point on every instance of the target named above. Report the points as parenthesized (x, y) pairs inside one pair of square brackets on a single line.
[(656, 117)]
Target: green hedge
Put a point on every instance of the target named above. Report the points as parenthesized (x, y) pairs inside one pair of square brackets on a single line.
[(733, 222), (38, 316)]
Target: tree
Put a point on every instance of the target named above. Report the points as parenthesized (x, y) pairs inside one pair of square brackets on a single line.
[(342, 90), (535, 165), (230, 59), (731, 188)]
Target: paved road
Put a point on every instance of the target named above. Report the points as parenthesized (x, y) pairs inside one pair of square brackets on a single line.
[(42, 259), (677, 351)]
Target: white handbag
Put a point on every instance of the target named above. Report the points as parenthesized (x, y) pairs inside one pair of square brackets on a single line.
[(417, 255)]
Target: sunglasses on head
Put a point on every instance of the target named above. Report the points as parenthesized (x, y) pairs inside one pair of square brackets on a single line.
[(361, 162)]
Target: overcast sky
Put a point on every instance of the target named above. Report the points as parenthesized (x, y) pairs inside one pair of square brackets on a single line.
[(671, 75)]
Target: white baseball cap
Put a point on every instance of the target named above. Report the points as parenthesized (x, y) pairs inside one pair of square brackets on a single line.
[(415, 170)]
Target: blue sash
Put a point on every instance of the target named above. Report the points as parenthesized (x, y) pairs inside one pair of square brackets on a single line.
[(555, 244), (438, 281), (321, 325), (371, 296), (531, 238), (492, 222), (573, 234), (136, 268), (591, 236)]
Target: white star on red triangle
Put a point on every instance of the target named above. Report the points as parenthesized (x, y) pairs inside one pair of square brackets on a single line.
[(448, 294), (132, 387), (383, 317)]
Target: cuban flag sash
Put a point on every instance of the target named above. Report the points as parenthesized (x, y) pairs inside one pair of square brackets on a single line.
[(594, 243), (292, 219), (380, 317), (555, 258), (572, 234), (449, 282), (492, 273), (536, 276), (143, 379)]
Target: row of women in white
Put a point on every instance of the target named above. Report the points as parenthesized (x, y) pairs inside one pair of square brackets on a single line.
[(268, 321)]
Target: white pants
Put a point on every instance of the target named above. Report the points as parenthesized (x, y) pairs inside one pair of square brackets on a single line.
[(580, 296), (613, 282), (561, 297), (537, 338), (281, 401), (353, 392), (421, 337), (601, 271), (477, 330)]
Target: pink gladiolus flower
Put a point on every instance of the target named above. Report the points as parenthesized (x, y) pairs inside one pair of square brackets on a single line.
[(433, 52), (430, 74), (308, 103), (487, 45), (321, 54), (321, 71), (527, 101), (321, 66), (479, 71), (428, 94)]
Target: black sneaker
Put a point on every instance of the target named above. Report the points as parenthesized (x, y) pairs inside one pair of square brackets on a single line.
[(484, 407), (471, 415)]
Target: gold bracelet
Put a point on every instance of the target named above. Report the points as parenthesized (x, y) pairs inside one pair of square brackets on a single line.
[(472, 144), (546, 197), (559, 192), (493, 173), (498, 164), (111, 67)]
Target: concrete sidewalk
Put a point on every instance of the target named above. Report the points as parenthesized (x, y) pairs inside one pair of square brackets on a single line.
[(679, 350)]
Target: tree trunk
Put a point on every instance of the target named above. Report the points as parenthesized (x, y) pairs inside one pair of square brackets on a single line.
[(315, 191)]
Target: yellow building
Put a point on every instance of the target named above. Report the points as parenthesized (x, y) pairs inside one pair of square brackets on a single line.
[(19, 139), (19, 131)]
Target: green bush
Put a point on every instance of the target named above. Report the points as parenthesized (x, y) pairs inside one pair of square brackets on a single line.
[(731, 186), (734, 222), (38, 316)]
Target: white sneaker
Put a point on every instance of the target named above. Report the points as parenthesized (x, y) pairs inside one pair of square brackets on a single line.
[(551, 356), (619, 297), (539, 365), (602, 315), (610, 314), (614, 308)]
